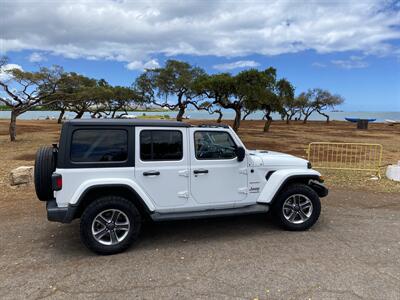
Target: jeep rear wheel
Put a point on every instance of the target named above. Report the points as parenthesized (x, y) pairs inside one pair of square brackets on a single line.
[(110, 225), (297, 208)]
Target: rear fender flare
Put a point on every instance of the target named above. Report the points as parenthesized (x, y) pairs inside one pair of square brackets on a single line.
[(88, 185)]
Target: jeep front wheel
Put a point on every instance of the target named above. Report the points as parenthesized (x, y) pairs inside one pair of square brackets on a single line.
[(110, 225), (297, 208)]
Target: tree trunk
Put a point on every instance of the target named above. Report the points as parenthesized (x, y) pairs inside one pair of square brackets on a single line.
[(305, 118), (113, 114), (236, 123), (287, 119), (180, 114), (325, 115), (219, 117), (79, 114), (268, 122), (60, 116), (13, 125), (246, 114)]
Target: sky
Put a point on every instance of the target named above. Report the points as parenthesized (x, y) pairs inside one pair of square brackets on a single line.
[(351, 48)]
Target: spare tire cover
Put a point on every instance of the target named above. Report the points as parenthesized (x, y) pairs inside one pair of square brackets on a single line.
[(45, 165)]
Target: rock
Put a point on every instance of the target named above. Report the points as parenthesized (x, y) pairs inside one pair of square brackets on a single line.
[(21, 175), (393, 172)]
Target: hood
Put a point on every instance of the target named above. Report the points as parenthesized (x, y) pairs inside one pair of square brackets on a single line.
[(278, 159)]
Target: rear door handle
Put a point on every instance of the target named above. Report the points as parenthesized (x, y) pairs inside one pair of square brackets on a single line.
[(200, 171), (151, 173)]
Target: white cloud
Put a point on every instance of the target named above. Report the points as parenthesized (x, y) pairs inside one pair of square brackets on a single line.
[(4, 71), (236, 65), (318, 65), (139, 65), (36, 57), (354, 62), (132, 31)]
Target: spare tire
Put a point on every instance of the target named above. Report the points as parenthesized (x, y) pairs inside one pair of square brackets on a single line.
[(45, 165)]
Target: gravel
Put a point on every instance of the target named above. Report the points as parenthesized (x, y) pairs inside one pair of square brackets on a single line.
[(351, 253)]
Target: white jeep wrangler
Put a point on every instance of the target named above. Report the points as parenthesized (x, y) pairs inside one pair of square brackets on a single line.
[(113, 174)]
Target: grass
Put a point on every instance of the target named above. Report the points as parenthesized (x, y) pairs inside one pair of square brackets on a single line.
[(160, 117), (359, 180)]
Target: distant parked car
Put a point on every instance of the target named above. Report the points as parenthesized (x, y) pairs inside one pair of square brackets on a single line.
[(128, 117)]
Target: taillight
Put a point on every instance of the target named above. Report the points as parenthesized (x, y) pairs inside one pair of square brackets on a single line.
[(56, 181)]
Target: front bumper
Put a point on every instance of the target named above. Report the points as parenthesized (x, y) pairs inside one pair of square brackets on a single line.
[(319, 188), (59, 214)]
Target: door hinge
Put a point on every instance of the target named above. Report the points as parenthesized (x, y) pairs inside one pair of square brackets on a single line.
[(243, 190), (243, 171), (184, 173), (183, 194)]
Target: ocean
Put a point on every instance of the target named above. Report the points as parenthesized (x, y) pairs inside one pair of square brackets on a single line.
[(228, 115)]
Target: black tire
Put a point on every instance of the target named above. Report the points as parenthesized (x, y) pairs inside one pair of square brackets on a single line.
[(45, 165), (296, 189), (109, 203)]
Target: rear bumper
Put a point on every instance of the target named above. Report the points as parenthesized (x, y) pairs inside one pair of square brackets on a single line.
[(59, 214), (319, 188)]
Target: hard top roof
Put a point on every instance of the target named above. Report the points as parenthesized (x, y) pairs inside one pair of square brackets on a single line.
[(139, 122), (131, 122)]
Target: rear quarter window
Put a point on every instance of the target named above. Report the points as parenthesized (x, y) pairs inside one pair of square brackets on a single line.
[(99, 145)]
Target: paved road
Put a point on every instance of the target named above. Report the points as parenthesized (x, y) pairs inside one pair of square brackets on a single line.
[(352, 253)]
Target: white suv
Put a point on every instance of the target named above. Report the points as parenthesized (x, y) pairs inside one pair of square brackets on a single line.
[(114, 174)]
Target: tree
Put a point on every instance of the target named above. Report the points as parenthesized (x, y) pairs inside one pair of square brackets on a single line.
[(245, 91), (24, 90), (80, 94), (72, 94), (327, 100), (263, 96), (246, 112), (305, 104), (211, 109), (289, 105), (317, 100), (221, 90), (176, 80), (91, 96)]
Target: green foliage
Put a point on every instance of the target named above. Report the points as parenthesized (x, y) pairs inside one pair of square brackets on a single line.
[(317, 100), (176, 79), (219, 88), (175, 86)]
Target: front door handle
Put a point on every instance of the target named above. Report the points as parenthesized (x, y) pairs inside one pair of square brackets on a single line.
[(151, 173), (200, 171)]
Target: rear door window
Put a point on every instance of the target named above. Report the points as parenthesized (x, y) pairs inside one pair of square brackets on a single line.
[(99, 145), (157, 145)]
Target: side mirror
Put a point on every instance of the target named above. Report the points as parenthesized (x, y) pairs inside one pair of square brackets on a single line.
[(241, 153)]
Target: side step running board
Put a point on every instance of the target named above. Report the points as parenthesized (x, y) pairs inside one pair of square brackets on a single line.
[(251, 209)]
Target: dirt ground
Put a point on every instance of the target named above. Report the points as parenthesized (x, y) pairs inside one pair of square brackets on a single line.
[(293, 139), (351, 253)]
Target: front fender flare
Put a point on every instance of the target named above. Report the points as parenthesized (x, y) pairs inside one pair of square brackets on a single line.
[(280, 178)]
